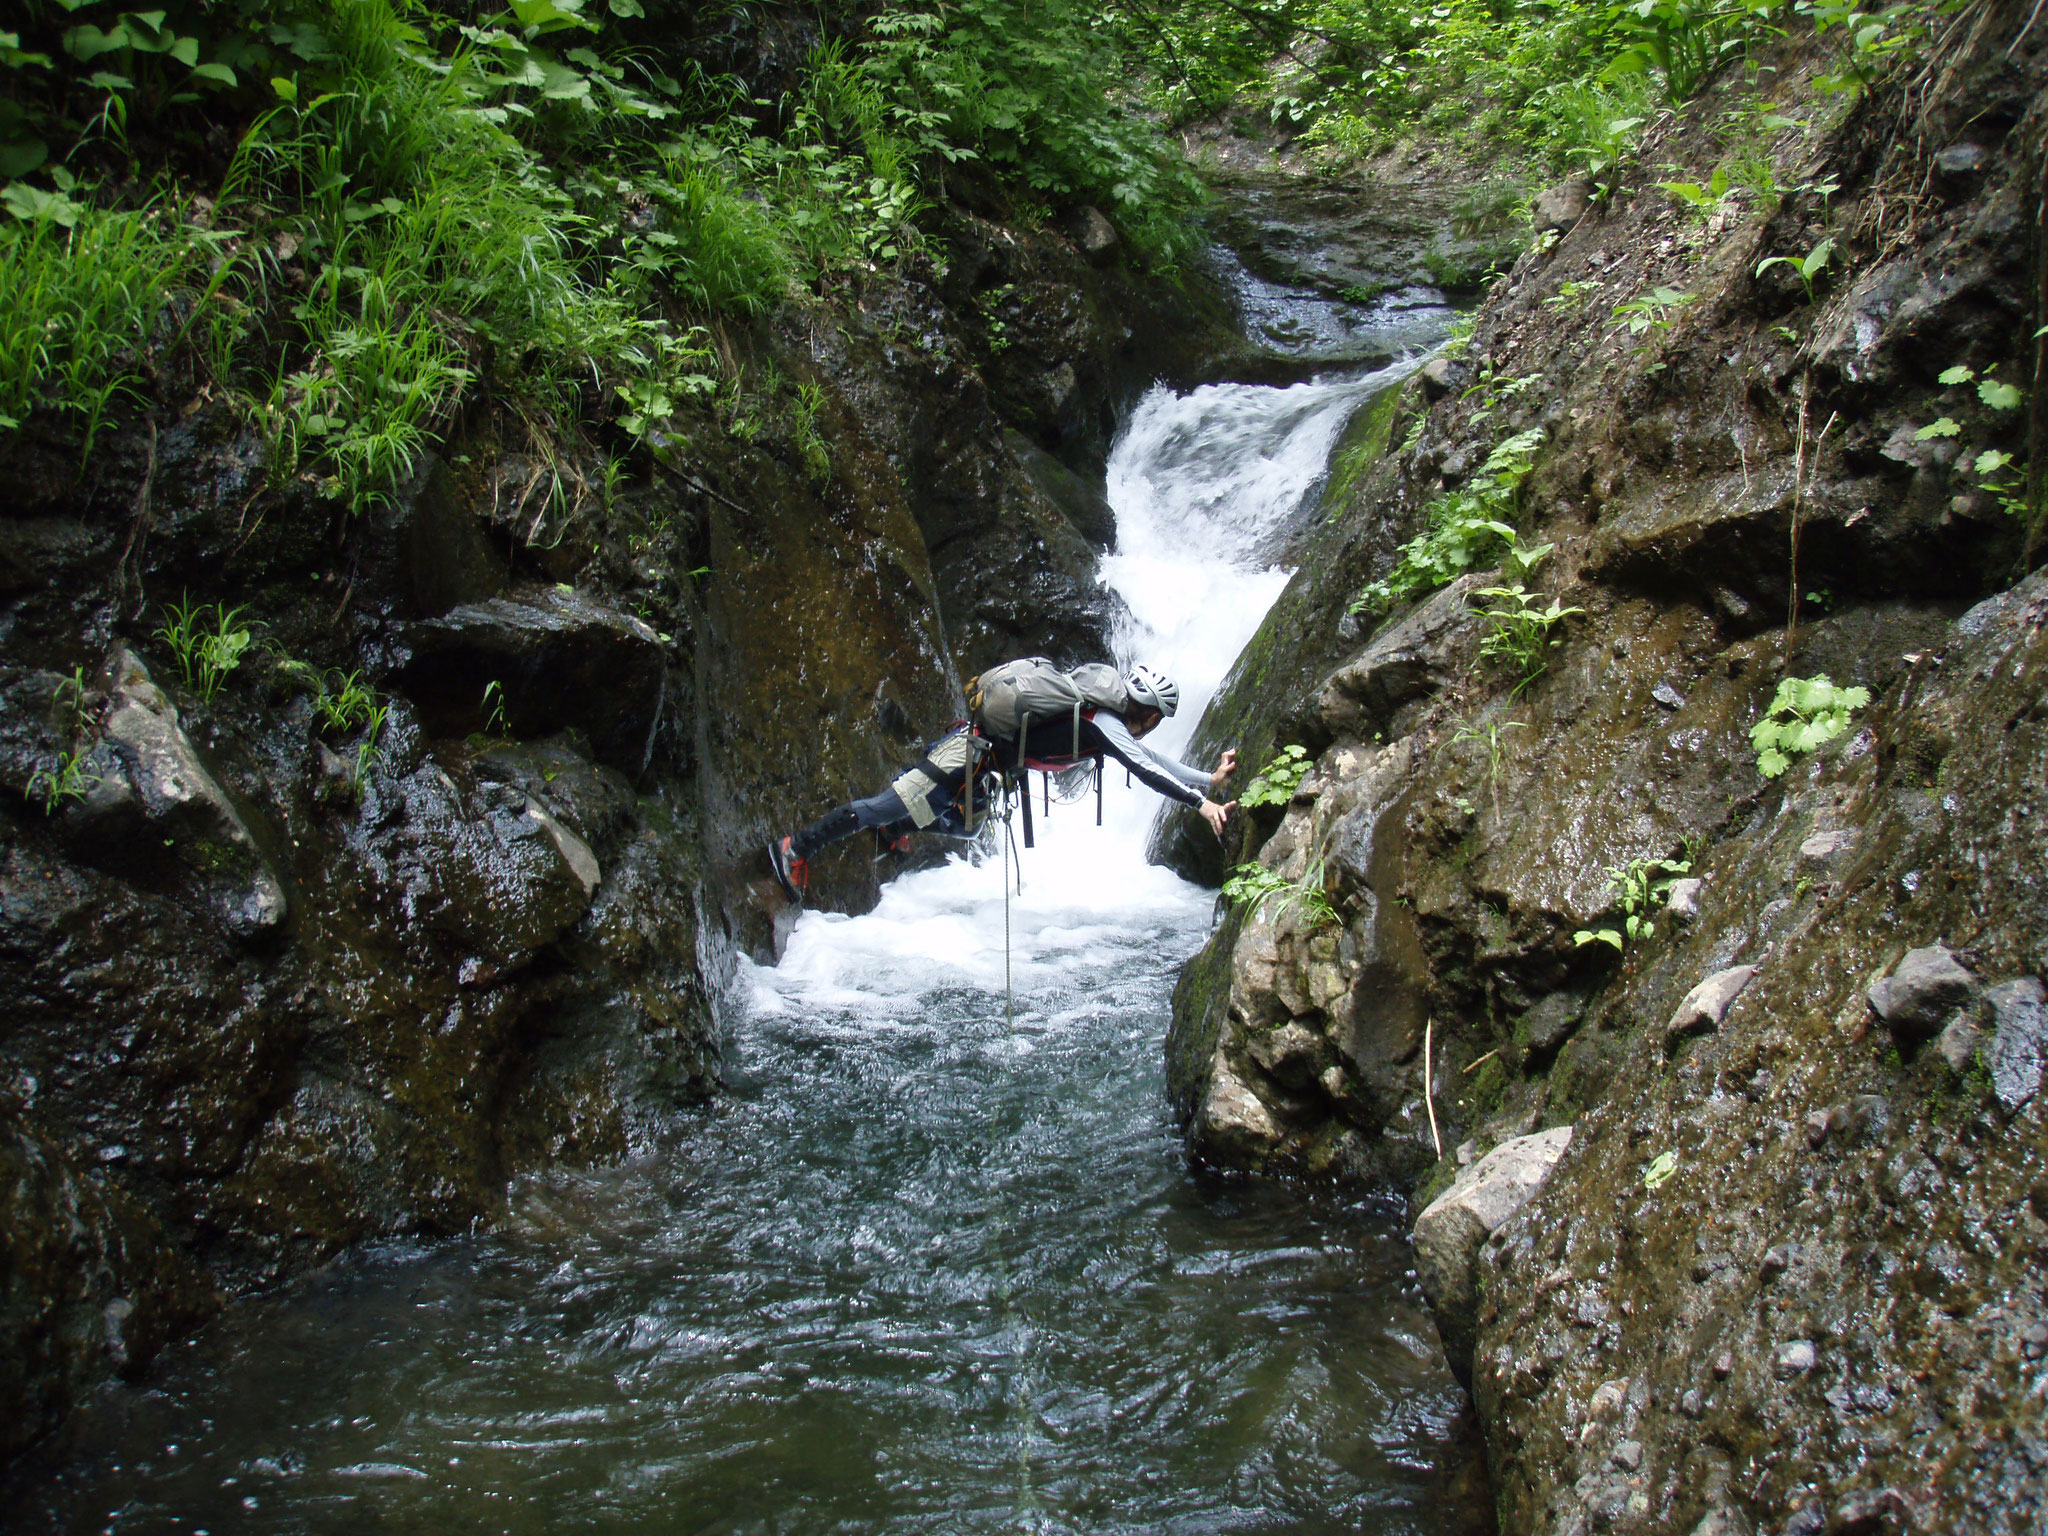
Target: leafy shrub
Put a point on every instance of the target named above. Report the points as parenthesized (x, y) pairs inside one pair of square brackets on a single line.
[(1251, 886), (1462, 529), (1275, 783), (1639, 888), (1804, 714)]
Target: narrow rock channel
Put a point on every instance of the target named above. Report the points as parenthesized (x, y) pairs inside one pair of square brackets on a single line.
[(939, 1262)]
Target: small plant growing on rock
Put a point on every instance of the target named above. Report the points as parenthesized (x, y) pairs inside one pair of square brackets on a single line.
[(1806, 268), (1705, 199), (208, 642), (1652, 311), (61, 783), (1493, 738), (810, 400), (1570, 294), (1804, 714), (1462, 528), (1640, 887), (1276, 782), (344, 701), (2004, 479), (1252, 885), (494, 709), (1518, 629), (368, 750), (1996, 393)]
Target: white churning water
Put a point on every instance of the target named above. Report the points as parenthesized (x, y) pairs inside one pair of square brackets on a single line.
[(1199, 483)]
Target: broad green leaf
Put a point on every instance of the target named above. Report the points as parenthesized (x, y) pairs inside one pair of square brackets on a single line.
[(87, 42), (1992, 460), (20, 156), (1960, 374), (1941, 426), (219, 73), (1999, 395)]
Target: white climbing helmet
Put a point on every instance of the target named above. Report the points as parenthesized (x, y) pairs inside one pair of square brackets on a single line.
[(1152, 690)]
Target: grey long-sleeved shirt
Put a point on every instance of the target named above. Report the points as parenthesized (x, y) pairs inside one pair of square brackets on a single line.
[(1053, 741)]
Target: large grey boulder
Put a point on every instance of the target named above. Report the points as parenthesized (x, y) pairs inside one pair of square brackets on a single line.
[(153, 795), (1918, 997), (484, 864), (1449, 1232)]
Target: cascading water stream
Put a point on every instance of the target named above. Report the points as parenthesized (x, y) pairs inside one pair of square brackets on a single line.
[(924, 1272)]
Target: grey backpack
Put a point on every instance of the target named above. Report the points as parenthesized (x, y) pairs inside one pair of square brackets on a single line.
[(1005, 701)]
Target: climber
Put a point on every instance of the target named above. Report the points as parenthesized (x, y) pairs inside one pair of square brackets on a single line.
[(1102, 716)]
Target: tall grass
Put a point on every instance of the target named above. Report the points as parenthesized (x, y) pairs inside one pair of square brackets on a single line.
[(82, 307)]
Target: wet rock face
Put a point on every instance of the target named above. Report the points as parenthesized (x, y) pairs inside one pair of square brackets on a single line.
[(152, 796), (1789, 1274), (540, 661), (1451, 1228)]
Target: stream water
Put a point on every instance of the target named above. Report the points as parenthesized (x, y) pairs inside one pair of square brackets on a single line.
[(928, 1269)]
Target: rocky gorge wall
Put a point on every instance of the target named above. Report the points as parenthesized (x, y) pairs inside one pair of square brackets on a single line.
[(1738, 1223), (281, 976)]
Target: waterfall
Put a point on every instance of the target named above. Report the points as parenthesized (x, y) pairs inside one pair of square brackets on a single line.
[(1200, 483)]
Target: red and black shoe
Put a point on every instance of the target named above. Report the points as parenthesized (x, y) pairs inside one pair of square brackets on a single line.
[(791, 873)]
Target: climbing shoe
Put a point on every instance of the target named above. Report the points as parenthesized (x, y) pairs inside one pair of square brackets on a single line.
[(791, 873)]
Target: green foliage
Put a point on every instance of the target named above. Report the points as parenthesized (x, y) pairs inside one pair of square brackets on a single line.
[(1462, 528), (1806, 268), (86, 293), (1707, 198), (1651, 311), (2006, 480), (1804, 714), (1275, 783), (1686, 41), (1251, 886), (1029, 86), (1639, 888), (1872, 41), (1518, 629), (61, 783), (344, 702), (207, 640)]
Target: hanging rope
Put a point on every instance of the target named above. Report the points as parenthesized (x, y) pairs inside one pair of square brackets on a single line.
[(1008, 839)]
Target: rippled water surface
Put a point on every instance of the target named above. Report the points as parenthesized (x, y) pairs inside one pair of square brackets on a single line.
[(938, 1264), (928, 1274)]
